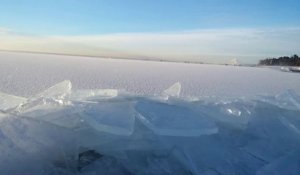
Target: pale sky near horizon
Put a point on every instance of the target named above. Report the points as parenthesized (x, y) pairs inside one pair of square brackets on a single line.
[(199, 30)]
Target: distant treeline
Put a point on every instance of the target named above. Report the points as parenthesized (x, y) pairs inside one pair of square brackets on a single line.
[(281, 61)]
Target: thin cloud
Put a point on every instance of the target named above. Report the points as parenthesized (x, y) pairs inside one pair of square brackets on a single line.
[(4, 31)]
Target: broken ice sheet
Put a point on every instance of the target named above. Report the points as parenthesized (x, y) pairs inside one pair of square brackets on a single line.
[(271, 132), (236, 113), (58, 91), (52, 97), (64, 116), (287, 100), (172, 91), (116, 117), (10, 101), (173, 120)]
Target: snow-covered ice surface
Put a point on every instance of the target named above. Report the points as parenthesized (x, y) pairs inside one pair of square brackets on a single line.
[(28, 74), (70, 115)]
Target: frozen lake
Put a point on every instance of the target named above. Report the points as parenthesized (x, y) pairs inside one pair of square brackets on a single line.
[(26, 74), (74, 127)]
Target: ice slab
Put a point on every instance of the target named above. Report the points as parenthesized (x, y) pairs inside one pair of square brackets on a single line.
[(173, 91), (116, 117), (288, 100), (10, 101), (58, 91), (172, 120), (52, 97), (64, 116), (236, 113), (50, 105), (272, 132)]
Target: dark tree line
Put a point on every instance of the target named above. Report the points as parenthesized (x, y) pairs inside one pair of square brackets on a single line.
[(281, 61)]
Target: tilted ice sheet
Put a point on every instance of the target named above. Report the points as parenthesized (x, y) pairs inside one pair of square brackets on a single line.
[(172, 120), (115, 117), (58, 91), (10, 101), (236, 113), (53, 97), (288, 100), (173, 91), (272, 132), (63, 116), (55, 105)]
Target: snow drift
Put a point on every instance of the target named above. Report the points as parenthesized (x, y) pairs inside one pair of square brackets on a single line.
[(107, 131)]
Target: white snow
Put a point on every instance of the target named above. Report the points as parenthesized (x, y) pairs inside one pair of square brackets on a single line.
[(28, 74), (118, 108)]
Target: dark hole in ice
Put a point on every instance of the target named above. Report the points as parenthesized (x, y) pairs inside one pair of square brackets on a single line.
[(87, 157)]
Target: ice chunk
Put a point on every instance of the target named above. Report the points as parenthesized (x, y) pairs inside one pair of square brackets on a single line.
[(10, 101), (288, 100), (294, 98), (173, 91), (116, 117), (50, 98), (235, 113), (172, 120), (272, 132), (64, 116), (58, 91)]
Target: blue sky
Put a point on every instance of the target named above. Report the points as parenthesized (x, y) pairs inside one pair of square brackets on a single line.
[(78, 17), (73, 18)]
